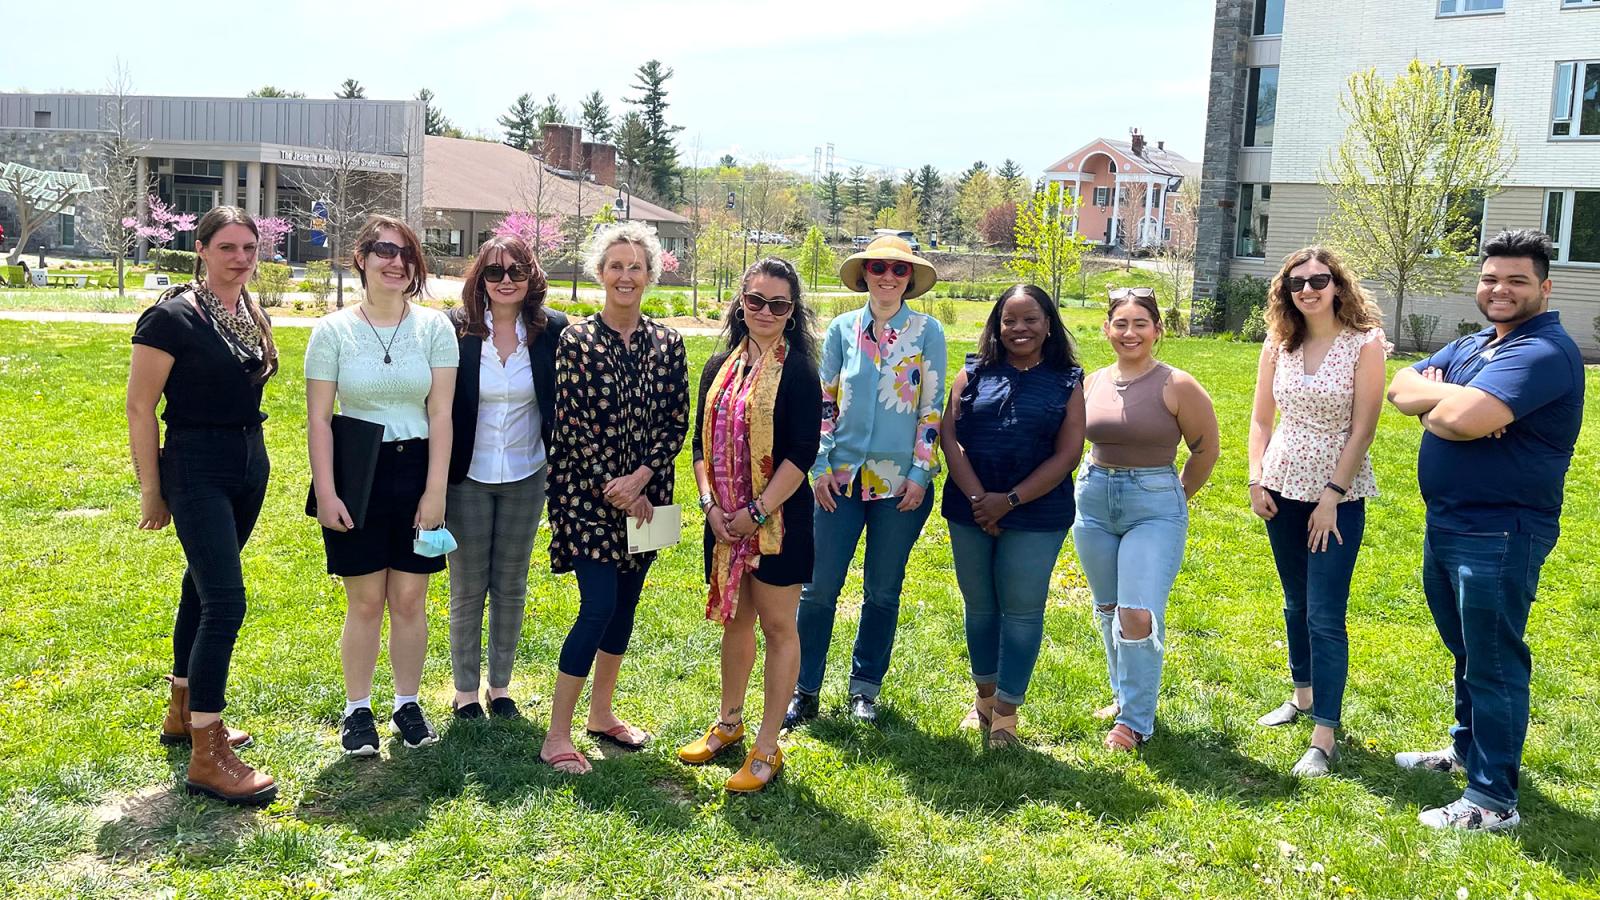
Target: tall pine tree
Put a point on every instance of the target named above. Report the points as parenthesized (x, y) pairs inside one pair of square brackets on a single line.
[(660, 158), (596, 117), (633, 145), (551, 112), (350, 90), (521, 123), (433, 121)]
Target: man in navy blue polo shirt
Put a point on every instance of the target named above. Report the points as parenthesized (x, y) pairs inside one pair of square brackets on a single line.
[(1501, 410)]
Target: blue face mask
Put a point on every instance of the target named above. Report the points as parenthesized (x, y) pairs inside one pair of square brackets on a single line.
[(433, 542)]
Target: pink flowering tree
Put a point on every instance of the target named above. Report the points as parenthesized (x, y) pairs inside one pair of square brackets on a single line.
[(162, 223), (669, 262), (273, 230), (542, 234)]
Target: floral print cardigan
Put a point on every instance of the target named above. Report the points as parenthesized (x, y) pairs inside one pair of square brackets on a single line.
[(882, 398)]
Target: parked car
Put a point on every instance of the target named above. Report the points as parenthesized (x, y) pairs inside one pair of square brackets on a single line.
[(770, 238), (861, 241), (909, 237)]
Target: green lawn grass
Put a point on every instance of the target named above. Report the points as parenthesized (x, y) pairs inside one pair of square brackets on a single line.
[(89, 805)]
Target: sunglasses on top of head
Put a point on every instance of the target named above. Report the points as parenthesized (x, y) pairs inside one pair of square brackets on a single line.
[(1318, 282), (1119, 293), (880, 266), (778, 306), (519, 272), (389, 250)]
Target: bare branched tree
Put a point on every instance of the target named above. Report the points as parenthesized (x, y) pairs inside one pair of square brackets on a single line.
[(1132, 231), (108, 211), (342, 191), (1175, 259)]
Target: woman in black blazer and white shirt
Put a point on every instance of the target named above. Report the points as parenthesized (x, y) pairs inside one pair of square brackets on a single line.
[(503, 415)]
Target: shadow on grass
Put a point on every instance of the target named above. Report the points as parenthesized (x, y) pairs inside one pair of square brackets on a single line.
[(1207, 762), (163, 819), (1565, 839), (787, 816), (393, 795), (953, 774)]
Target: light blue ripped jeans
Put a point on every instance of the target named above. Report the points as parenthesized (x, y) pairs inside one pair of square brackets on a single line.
[(1129, 534)]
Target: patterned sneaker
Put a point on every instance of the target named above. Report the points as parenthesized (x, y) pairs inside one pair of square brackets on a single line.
[(359, 733), (1433, 760), (1468, 816), (413, 727)]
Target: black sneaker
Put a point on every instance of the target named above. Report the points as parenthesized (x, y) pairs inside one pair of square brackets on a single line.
[(413, 726), (803, 707), (470, 711), (504, 708), (864, 708), (359, 733)]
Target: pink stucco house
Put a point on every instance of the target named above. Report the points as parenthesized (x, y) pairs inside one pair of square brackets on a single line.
[(1132, 182)]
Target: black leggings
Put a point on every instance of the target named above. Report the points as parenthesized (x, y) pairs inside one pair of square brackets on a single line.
[(607, 599), (214, 481)]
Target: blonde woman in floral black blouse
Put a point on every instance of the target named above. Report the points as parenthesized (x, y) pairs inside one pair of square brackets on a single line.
[(621, 415)]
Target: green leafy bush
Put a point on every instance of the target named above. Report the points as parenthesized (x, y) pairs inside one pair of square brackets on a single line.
[(1464, 327), (1421, 327), (272, 281), (319, 280), (1174, 322), (180, 261)]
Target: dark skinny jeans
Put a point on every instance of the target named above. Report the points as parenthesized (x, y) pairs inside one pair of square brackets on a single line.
[(214, 481), (607, 599), (1316, 594)]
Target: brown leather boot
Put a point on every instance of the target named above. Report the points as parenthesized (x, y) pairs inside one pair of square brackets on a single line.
[(175, 727), (216, 772)]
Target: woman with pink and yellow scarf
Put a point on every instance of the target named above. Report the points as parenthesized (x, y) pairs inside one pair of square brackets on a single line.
[(756, 434)]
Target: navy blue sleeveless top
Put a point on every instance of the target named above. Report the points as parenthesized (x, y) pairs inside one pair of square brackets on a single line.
[(1008, 424)]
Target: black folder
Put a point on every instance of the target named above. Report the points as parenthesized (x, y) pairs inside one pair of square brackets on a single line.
[(355, 461)]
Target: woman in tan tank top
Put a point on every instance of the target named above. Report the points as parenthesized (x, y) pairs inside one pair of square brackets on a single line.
[(1132, 505)]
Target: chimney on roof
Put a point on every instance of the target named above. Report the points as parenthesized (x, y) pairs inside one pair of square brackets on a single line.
[(1138, 141), (601, 161), (562, 146), (1161, 145)]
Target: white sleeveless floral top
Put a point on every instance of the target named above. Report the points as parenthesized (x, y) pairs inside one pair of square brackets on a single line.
[(1314, 420)]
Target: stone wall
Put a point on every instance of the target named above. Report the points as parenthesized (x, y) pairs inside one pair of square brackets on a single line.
[(1230, 43), (49, 149)]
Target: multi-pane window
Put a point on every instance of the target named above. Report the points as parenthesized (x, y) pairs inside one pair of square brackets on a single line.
[(1261, 107), (443, 241), (1254, 203), (1572, 219), (1576, 111), (1269, 17), (1470, 7), (1102, 196)]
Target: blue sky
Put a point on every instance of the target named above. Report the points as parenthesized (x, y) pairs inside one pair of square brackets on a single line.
[(890, 85)]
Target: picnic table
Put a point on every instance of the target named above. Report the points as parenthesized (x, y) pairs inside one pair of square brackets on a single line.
[(64, 280)]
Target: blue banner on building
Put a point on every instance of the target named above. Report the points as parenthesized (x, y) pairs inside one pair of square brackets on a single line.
[(319, 219)]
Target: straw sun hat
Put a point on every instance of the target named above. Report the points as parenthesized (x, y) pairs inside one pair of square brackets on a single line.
[(894, 249)]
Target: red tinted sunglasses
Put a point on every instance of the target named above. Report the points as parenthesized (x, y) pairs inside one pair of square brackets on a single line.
[(879, 266)]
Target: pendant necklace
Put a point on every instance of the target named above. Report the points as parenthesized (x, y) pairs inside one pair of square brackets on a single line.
[(403, 312)]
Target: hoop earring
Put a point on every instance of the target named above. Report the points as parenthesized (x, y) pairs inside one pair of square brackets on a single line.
[(790, 326), (738, 312)]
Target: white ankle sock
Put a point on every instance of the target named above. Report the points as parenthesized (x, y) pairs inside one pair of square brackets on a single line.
[(402, 701), (351, 706)]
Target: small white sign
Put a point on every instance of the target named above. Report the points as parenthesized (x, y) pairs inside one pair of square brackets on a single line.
[(663, 530)]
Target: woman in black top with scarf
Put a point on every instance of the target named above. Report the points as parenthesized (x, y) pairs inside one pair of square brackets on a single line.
[(208, 347)]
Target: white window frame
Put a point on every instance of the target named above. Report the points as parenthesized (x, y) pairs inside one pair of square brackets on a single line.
[(1580, 4), (1460, 13), (1562, 241), (1247, 140), (1566, 105), (1102, 196)]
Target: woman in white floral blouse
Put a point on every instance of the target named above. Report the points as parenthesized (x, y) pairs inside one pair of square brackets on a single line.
[(1322, 368), (882, 372)]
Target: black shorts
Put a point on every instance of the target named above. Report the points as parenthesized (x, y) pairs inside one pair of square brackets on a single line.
[(384, 540)]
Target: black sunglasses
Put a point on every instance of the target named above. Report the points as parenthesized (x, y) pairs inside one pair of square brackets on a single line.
[(878, 267), (389, 250), (1318, 282), (779, 307), (519, 272)]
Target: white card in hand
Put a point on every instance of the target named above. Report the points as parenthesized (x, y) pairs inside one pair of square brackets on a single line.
[(663, 530)]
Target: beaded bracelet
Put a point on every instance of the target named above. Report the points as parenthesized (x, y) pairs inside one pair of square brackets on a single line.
[(756, 515)]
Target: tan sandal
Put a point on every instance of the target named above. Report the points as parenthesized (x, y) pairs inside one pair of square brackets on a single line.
[(700, 751), (1002, 731), (1122, 739), (979, 714)]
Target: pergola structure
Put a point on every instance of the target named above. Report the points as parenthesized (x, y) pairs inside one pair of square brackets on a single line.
[(40, 196)]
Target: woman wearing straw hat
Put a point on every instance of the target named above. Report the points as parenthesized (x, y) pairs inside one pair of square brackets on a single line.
[(882, 372)]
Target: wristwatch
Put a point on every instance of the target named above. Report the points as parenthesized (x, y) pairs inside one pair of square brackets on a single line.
[(707, 501), (1013, 499)]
